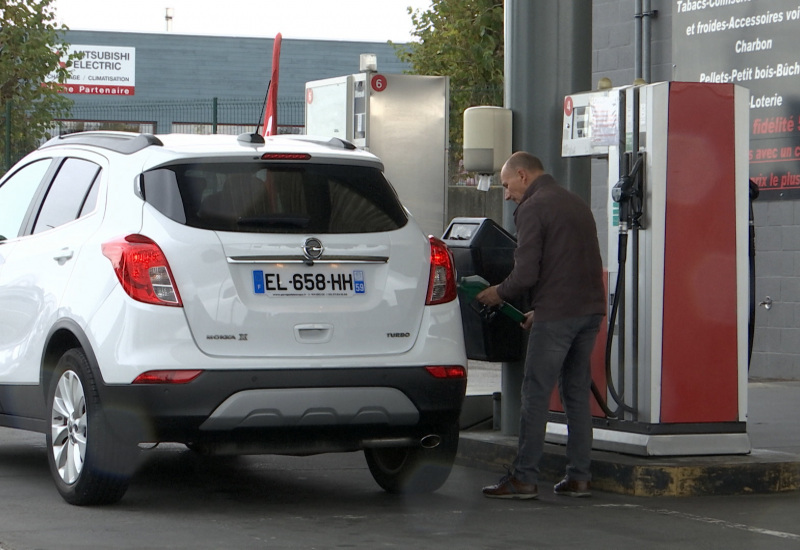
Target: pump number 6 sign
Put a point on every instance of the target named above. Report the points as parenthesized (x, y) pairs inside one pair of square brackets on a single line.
[(378, 83)]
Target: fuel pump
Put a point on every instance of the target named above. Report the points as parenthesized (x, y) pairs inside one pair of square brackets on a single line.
[(402, 119), (676, 348)]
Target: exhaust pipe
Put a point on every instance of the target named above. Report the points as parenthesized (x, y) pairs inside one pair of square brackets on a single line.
[(429, 441)]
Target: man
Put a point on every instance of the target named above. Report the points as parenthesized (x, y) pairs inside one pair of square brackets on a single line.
[(559, 271)]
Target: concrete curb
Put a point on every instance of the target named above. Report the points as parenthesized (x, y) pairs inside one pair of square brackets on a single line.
[(761, 471)]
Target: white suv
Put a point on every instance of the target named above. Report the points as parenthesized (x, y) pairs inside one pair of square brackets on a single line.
[(237, 295)]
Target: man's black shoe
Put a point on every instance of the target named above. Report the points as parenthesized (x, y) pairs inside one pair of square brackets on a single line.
[(573, 488), (511, 487)]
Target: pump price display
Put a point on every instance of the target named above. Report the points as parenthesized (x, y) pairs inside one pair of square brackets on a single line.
[(303, 283)]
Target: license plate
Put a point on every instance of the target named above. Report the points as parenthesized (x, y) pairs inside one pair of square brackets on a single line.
[(324, 282)]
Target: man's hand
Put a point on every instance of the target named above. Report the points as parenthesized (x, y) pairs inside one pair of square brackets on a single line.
[(489, 296), (528, 322)]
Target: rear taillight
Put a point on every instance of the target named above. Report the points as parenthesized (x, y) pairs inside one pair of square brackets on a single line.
[(442, 279), (447, 371), (142, 269)]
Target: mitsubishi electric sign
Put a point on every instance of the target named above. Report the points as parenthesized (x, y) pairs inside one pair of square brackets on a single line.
[(754, 44), (103, 70)]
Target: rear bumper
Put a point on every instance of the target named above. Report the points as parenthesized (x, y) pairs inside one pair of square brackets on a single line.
[(292, 411)]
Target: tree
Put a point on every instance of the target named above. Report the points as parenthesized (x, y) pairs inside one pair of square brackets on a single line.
[(31, 68), (462, 39)]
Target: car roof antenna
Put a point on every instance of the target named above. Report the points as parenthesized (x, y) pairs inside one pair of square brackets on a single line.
[(255, 137), (259, 124)]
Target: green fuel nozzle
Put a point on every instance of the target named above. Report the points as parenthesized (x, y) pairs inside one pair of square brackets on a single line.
[(472, 285)]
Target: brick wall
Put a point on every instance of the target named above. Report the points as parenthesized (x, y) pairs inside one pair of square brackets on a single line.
[(776, 347)]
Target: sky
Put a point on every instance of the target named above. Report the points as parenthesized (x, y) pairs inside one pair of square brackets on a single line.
[(350, 20)]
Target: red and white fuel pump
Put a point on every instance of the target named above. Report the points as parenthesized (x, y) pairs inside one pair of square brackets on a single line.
[(676, 356)]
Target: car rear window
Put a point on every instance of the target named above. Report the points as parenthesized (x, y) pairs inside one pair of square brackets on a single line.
[(275, 198)]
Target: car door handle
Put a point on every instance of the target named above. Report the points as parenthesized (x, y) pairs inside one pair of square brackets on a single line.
[(63, 255)]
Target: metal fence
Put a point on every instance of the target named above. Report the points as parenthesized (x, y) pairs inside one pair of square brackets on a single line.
[(210, 116), (201, 116)]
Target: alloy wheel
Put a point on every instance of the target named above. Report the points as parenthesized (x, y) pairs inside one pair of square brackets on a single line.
[(68, 427)]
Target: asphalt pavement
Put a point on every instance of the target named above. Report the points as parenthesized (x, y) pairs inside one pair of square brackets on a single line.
[(181, 500), (772, 466)]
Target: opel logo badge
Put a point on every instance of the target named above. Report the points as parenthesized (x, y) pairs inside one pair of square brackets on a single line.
[(312, 248)]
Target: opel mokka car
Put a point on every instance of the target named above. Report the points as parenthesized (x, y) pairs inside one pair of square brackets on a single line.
[(233, 294)]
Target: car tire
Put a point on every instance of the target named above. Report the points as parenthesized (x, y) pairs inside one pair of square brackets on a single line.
[(89, 465), (414, 469)]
